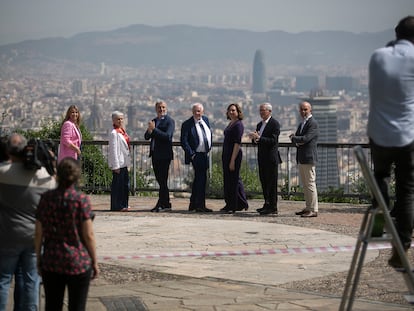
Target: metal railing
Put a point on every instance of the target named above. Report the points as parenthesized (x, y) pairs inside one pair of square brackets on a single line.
[(337, 170)]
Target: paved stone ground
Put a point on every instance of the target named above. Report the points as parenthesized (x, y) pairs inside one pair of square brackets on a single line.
[(121, 287), (378, 281)]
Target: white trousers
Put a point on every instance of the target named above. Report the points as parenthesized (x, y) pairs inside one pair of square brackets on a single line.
[(307, 174)]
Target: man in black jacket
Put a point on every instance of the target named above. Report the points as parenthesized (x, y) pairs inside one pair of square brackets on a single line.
[(306, 138), (266, 137), (160, 130), (196, 138)]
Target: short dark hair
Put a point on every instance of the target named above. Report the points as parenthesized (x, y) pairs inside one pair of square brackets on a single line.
[(405, 28)]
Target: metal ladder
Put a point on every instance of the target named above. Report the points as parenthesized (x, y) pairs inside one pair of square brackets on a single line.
[(365, 237)]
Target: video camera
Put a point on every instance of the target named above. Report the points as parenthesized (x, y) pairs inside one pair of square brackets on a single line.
[(38, 153)]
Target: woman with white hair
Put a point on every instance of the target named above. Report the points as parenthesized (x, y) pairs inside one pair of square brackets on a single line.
[(119, 160)]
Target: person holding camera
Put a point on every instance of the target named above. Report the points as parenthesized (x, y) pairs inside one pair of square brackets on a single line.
[(20, 190), (70, 135), (64, 240), (390, 128)]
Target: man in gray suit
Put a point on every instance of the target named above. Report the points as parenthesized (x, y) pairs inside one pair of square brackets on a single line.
[(305, 139)]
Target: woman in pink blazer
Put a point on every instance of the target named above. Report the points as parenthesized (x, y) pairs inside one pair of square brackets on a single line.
[(70, 135)]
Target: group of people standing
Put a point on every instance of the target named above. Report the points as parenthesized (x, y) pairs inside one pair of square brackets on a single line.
[(390, 132), (60, 216), (46, 222), (196, 140)]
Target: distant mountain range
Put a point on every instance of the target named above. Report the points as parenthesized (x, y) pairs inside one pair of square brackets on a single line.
[(138, 45)]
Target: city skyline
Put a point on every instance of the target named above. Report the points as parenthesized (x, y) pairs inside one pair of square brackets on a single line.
[(23, 20)]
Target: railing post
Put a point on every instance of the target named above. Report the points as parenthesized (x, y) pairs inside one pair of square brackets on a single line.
[(142, 171), (134, 169), (210, 167), (288, 170)]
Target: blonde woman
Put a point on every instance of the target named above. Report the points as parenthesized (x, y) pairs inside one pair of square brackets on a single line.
[(70, 135)]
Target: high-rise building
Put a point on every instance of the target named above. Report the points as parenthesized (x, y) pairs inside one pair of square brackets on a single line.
[(103, 69), (324, 109), (78, 87), (259, 73), (341, 83), (306, 83), (95, 121)]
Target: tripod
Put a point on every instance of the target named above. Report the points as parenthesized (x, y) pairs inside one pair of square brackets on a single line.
[(366, 236)]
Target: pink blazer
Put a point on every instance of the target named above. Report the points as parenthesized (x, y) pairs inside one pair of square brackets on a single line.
[(69, 134)]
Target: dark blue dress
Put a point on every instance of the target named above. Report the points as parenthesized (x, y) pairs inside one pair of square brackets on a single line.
[(234, 194)]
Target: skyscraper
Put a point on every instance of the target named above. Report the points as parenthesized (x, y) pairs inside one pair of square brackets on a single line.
[(324, 109), (306, 83), (78, 87), (259, 73), (95, 121)]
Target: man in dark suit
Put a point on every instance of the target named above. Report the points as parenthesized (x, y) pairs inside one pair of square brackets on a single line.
[(160, 130), (266, 137), (196, 138), (306, 138)]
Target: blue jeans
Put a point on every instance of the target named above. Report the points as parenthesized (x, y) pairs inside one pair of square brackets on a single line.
[(18, 289), (24, 257)]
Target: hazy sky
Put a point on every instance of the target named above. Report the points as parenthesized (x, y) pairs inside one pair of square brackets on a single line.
[(33, 19)]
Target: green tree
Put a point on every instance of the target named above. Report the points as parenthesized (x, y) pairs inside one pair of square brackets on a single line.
[(248, 175), (96, 175)]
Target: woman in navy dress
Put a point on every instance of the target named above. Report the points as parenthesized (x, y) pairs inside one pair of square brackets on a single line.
[(234, 194)]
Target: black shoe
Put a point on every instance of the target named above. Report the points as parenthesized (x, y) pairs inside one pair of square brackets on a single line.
[(203, 210), (160, 209), (191, 207), (245, 208), (268, 211), (265, 206), (309, 214), (395, 260), (164, 209), (304, 211), (226, 210)]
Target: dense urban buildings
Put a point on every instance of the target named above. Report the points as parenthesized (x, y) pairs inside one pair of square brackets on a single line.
[(30, 98)]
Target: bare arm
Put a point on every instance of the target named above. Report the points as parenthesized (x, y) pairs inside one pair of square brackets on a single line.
[(89, 240), (75, 148)]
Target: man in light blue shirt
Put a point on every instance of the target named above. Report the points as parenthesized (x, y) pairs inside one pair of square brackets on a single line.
[(391, 126)]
